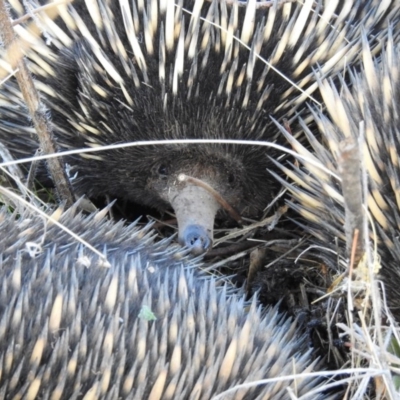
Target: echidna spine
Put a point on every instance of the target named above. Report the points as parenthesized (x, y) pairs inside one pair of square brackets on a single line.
[(152, 326), (368, 105)]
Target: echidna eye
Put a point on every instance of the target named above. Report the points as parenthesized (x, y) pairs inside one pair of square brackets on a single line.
[(231, 179), (163, 170)]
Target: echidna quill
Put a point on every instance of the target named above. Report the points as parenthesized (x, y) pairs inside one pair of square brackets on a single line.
[(120, 71), (151, 326), (368, 105)]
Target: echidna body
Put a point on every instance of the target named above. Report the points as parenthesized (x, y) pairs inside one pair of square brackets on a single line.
[(151, 326), (124, 72), (369, 105)]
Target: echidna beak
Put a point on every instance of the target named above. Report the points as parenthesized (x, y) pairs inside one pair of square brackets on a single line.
[(195, 210), (197, 239)]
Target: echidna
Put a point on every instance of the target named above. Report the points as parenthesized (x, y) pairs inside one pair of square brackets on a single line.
[(370, 105), (151, 326), (121, 71)]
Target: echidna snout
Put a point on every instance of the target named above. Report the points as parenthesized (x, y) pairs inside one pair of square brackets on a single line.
[(190, 181), (195, 211)]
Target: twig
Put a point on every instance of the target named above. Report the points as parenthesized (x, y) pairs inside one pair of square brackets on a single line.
[(232, 212), (260, 4), (47, 7), (229, 250), (350, 172)]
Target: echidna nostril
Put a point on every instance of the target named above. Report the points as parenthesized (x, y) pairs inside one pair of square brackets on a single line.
[(196, 238)]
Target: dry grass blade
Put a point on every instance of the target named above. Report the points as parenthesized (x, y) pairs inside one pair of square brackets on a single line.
[(217, 196)]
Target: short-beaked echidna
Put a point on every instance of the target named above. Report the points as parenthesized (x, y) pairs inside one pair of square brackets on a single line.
[(151, 326), (369, 105), (120, 71)]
